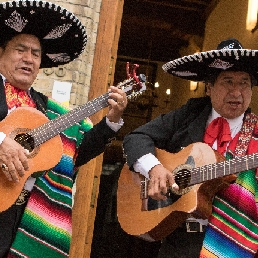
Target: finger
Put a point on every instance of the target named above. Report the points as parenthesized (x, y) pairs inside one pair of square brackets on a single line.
[(172, 183), (121, 102), (175, 187), (154, 190), (5, 171), (117, 90), (119, 98), (26, 152), (19, 168), (163, 186), (115, 105), (12, 172), (24, 160)]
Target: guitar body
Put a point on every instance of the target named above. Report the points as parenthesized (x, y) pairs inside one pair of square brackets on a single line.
[(42, 158), (153, 225)]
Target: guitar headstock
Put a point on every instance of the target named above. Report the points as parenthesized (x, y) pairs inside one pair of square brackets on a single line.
[(133, 85)]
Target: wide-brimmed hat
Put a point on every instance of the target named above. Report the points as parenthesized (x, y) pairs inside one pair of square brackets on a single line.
[(62, 36), (229, 55)]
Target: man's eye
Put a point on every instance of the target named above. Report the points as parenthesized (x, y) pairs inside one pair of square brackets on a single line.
[(246, 84)]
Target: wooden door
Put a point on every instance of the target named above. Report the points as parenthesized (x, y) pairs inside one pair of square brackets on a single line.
[(88, 180)]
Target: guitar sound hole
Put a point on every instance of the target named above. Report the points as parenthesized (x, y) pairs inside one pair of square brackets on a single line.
[(26, 141), (182, 178)]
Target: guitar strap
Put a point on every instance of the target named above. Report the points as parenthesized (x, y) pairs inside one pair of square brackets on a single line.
[(3, 104), (246, 134), (232, 230)]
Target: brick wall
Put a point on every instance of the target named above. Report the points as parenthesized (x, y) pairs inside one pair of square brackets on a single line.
[(78, 72)]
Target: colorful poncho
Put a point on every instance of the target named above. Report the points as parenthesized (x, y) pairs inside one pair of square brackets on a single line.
[(45, 229), (233, 226)]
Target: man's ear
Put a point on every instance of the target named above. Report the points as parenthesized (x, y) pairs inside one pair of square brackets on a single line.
[(208, 88)]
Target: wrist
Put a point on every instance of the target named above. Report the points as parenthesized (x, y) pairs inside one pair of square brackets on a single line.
[(2, 137)]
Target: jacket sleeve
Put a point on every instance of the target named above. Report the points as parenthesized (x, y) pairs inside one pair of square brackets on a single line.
[(94, 142), (164, 132), (144, 139)]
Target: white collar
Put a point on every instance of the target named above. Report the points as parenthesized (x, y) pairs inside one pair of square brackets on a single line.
[(233, 123)]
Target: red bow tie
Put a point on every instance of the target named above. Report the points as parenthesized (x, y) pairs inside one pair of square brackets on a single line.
[(16, 97), (218, 129)]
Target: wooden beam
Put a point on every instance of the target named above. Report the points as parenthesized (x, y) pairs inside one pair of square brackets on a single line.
[(87, 186), (210, 8)]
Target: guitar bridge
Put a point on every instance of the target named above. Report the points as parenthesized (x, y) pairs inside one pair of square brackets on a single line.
[(144, 194)]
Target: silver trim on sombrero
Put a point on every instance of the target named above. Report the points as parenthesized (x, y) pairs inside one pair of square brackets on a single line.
[(16, 21), (209, 54), (59, 57), (58, 32), (184, 73), (218, 63)]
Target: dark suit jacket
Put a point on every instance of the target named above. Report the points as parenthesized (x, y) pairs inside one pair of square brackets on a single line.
[(170, 132)]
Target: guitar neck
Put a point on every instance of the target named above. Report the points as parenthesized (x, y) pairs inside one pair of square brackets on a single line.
[(59, 124), (220, 169)]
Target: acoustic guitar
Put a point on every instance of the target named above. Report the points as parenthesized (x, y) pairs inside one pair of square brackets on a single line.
[(40, 136), (200, 173)]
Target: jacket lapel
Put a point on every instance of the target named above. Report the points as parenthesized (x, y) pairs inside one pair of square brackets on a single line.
[(3, 104), (197, 127)]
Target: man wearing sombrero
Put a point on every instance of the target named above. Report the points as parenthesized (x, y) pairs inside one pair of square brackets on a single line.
[(223, 120), (37, 34)]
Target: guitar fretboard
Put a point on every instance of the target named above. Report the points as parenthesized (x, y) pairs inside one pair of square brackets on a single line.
[(59, 124), (220, 169)]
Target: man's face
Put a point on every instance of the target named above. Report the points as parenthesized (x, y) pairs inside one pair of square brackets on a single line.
[(20, 60), (231, 93)]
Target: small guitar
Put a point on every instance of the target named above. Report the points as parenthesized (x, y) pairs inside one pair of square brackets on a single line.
[(36, 133), (200, 173)]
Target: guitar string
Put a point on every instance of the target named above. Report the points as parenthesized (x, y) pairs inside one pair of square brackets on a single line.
[(81, 115), (228, 167)]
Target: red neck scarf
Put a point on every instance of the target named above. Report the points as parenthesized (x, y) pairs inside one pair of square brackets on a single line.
[(17, 98), (218, 129)]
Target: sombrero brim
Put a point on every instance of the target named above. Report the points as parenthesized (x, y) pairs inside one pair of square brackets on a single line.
[(62, 36), (199, 66)]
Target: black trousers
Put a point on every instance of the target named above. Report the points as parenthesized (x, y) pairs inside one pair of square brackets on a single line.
[(182, 244), (9, 222)]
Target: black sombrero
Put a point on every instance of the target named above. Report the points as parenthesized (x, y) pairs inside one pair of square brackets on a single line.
[(62, 36), (229, 55)]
